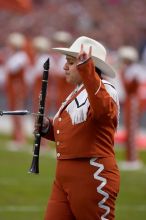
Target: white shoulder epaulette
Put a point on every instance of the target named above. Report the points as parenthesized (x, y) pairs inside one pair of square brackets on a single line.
[(111, 90)]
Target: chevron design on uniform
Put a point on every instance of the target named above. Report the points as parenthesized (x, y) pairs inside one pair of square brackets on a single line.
[(99, 188)]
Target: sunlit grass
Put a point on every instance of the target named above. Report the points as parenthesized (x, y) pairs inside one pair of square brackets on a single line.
[(24, 196)]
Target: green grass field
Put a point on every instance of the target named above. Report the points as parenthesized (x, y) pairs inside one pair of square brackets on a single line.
[(24, 196)]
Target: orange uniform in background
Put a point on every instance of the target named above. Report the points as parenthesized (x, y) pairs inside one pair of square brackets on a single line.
[(61, 88), (41, 46), (16, 87), (133, 77)]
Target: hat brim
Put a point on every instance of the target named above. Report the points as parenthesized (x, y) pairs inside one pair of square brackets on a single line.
[(104, 67)]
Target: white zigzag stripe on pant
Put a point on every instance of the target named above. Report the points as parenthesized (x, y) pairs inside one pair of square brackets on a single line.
[(99, 188)]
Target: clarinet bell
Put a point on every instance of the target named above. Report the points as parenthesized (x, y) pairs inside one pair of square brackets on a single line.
[(34, 166)]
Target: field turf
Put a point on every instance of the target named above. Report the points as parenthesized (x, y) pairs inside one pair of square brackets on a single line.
[(24, 196)]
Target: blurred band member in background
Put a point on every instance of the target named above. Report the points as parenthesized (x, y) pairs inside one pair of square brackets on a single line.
[(62, 88), (133, 77), (41, 46), (87, 177), (16, 88)]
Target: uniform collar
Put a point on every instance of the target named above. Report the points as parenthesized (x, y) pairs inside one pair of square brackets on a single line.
[(78, 87)]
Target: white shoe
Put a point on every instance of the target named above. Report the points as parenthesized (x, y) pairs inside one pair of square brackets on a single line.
[(130, 165), (14, 146)]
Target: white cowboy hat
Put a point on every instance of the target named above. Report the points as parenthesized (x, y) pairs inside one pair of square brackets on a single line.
[(62, 37), (17, 40), (98, 53), (41, 43), (128, 52)]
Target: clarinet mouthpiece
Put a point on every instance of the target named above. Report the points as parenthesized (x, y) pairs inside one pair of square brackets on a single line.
[(47, 64)]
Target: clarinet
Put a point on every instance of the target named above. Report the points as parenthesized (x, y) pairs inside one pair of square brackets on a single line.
[(39, 120)]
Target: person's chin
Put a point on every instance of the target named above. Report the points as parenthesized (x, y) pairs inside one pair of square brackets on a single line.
[(68, 79)]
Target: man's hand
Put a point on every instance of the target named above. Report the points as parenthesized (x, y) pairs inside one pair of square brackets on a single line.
[(45, 126), (83, 56)]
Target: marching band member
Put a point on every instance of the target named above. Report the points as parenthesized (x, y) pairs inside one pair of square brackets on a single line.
[(41, 46), (87, 177), (16, 88), (133, 77), (62, 88)]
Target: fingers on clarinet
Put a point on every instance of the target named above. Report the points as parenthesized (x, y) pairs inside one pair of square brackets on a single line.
[(46, 123), (35, 131)]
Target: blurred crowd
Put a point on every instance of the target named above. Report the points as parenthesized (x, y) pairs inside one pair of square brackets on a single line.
[(26, 42), (114, 22)]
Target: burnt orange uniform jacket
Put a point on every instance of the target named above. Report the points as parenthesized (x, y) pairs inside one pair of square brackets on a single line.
[(85, 124)]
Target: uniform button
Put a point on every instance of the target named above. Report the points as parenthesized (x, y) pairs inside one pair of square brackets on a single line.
[(58, 154), (58, 131), (57, 143), (59, 119)]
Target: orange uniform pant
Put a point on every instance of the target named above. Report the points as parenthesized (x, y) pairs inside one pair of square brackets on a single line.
[(84, 189), (132, 117)]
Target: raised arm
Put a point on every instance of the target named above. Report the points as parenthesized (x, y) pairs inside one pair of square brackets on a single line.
[(100, 99)]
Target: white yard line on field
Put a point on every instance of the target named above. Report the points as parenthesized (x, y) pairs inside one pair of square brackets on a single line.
[(8, 182), (21, 209), (134, 208)]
